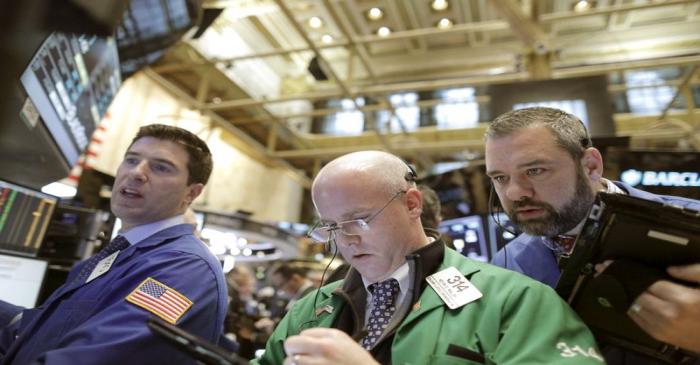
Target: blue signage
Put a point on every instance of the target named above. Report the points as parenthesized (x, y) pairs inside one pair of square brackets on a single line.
[(660, 178)]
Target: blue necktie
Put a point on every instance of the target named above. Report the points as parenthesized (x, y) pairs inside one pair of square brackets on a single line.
[(118, 243), (383, 307)]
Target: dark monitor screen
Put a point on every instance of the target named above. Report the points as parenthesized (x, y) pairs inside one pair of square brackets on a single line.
[(24, 217), (468, 236), (149, 27), (21, 280), (501, 231), (585, 97), (71, 80)]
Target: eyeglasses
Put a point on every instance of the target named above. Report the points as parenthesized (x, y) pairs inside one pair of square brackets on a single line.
[(349, 228)]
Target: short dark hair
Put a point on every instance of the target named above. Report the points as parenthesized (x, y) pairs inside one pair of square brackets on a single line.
[(430, 217), (287, 271), (568, 130), (199, 164)]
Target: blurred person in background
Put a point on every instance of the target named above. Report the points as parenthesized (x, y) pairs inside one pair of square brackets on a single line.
[(246, 319), (431, 216), (292, 281)]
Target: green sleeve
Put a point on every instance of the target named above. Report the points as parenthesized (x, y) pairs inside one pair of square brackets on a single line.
[(274, 349), (540, 328)]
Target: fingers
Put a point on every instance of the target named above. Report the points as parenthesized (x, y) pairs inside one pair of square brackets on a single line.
[(319, 332), (300, 344), (688, 273), (673, 292)]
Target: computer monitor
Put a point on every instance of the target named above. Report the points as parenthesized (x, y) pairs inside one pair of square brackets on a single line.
[(71, 81), (21, 279), (467, 235), (24, 217), (149, 28)]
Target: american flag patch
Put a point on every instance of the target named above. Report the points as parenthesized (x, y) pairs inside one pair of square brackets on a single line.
[(160, 300)]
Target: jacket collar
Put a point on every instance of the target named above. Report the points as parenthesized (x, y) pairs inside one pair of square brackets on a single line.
[(425, 261)]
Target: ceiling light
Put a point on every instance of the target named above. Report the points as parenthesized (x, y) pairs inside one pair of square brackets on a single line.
[(60, 190), (444, 23), (315, 22), (582, 6), (439, 5), (327, 38), (383, 31), (375, 14)]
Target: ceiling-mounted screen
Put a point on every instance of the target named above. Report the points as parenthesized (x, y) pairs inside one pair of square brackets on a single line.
[(71, 81)]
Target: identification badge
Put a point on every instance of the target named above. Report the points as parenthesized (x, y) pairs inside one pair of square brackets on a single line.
[(102, 267), (454, 289)]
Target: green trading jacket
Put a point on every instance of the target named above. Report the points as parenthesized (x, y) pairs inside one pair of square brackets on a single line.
[(517, 321)]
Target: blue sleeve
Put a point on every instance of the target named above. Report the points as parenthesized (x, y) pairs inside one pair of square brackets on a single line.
[(117, 332), (8, 328), (501, 259), (8, 312)]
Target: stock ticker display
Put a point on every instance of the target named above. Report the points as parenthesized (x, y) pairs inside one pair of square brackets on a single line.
[(24, 217), (72, 80)]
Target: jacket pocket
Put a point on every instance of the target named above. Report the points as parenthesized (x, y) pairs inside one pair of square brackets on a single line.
[(466, 354), (451, 360)]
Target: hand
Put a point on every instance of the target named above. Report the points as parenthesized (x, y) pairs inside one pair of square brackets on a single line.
[(265, 324), (670, 312), (325, 346)]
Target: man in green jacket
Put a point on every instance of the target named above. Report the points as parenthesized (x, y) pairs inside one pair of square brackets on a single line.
[(407, 298)]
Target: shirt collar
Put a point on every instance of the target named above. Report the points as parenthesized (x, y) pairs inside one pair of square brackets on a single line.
[(611, 188), (140, 233), (400, 274)]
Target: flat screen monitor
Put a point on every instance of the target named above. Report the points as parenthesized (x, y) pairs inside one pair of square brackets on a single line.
[(659, 172), (585, 97), (71, 81), (24, 216), (501, 231), (149, 28), (467, 235), (21, 279)]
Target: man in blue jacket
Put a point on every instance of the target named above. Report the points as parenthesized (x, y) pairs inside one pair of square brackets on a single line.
[(546, 173), (154, 268)]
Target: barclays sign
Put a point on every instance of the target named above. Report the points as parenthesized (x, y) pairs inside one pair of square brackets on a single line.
[(661, 178)]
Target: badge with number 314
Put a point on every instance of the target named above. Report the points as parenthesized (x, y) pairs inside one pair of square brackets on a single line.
[(454, 289)]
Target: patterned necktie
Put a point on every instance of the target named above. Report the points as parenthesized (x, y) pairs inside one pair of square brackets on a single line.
[(383, 296), (565, 243), (118, 243)]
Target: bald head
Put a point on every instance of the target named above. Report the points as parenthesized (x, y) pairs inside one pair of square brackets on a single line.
[(372, 169), (370, 187)]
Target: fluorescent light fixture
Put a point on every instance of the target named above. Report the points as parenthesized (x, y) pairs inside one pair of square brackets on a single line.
[(60, 190), (327, 38)]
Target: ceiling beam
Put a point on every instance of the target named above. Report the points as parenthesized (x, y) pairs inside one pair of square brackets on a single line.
[(248, 145)]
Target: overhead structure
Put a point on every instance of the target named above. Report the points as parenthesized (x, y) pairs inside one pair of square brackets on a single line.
[(266, 68)]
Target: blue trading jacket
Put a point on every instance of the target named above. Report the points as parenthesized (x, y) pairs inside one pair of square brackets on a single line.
[(93, 323)]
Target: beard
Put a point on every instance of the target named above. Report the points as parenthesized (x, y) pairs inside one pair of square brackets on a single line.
[(553, 221)]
